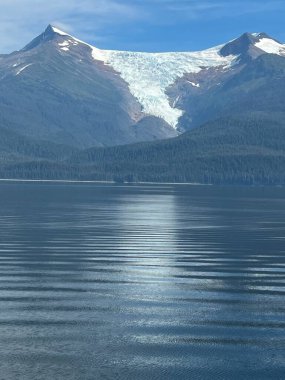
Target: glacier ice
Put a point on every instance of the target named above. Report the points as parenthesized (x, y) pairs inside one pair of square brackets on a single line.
[(150, 74)]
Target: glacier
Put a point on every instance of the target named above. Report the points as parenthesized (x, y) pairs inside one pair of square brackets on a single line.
[(149, 75)]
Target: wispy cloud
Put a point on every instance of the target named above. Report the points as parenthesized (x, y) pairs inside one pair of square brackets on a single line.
[(222, 8), (195, 9)]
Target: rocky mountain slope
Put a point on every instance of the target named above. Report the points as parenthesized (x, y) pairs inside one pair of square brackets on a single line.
[(62, 90), (64, 104)]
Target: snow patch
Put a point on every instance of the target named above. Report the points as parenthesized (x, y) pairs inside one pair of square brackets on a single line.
[(64, 43), (23, 68), (75, 41), (270, 46), (176, 101), (58, 31), (194, 84)]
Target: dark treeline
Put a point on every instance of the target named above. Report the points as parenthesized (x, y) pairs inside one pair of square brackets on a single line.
[(247, 149)]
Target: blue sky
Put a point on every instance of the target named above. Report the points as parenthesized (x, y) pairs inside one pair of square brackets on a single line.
[(144, 25)]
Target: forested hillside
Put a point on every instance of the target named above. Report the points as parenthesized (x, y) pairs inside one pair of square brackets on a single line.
[(65, 113), (247, 149)]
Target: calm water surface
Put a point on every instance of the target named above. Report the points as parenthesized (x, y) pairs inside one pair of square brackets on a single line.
[(141, 282)]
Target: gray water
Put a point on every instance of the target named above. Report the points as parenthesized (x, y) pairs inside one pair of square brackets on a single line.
[(141, 282)]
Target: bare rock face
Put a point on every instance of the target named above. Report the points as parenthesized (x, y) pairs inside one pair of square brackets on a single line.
[(52, 92), (64, 91)]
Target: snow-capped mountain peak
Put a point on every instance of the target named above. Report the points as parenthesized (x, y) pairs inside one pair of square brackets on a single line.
[(64, 90), (251, 45), (57, 31), (150, 75)]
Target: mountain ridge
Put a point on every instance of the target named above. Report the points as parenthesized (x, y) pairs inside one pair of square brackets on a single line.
[(60, 96), (162, 70)]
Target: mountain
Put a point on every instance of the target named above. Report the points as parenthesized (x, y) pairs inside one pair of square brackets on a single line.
[(16, 147), (63, 90), (244, 150), (51, 92), (66, 108), (248, 149)]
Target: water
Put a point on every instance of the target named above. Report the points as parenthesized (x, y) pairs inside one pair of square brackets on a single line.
[(141, 282)]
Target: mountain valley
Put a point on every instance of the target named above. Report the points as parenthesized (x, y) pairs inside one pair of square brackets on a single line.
[(71, 110)]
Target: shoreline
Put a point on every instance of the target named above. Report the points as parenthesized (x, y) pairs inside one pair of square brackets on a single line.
[(102, 182), (75, 181)]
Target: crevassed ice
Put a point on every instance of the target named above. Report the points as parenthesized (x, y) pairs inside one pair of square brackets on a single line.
[(150, 74)]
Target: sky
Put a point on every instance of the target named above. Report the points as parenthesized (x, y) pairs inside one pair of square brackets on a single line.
[(141, 25)]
